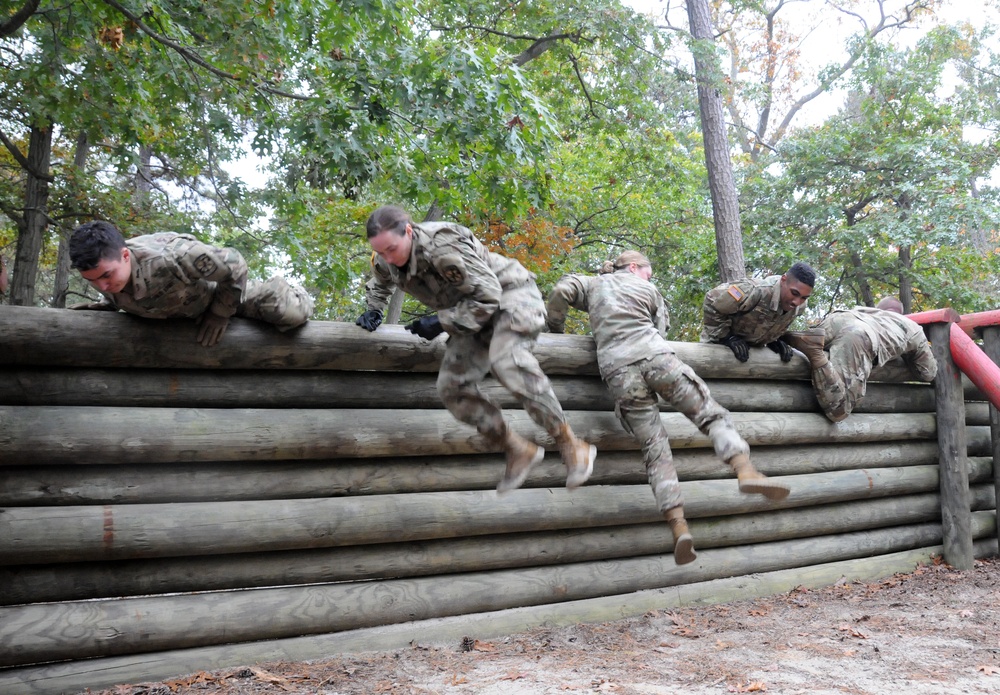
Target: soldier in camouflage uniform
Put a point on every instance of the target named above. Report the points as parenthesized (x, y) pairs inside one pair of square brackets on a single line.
[(857, 340), (757, 312), (629, 322), (176, 276), (493, 312)]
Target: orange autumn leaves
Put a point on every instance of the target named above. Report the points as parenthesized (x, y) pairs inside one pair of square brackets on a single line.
[(536, 242)]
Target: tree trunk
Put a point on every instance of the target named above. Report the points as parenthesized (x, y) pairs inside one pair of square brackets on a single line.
[(60, 286), (721, 182), (905, 283), (143, 179), (36, 198), (864, 289)]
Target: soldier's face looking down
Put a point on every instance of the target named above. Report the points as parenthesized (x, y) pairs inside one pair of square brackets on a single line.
[(794, 293), (394, 248), (643, 271), (111, 275)]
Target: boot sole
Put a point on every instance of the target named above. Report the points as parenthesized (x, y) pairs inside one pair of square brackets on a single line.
[(507, 484), (684, 552), (770, 489), (574, 479)]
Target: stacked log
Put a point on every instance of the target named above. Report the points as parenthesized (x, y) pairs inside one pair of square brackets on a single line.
[(310, 493)]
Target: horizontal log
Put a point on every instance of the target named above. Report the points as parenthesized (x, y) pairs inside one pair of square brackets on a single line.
[(55, 337), (74, 581), (189, 388), (54, 679), (33, 535), (68, 484), (82, 435), (49, 632)]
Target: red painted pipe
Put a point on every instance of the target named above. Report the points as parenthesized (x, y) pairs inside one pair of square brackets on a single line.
[(980, 369), (948, 315), (968, 356), (970, 322)]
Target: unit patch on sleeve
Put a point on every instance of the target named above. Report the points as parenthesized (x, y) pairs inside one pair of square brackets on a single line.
[(205, 264)]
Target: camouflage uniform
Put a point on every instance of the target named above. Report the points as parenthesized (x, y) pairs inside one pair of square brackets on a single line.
[(629, 321), (493, 313), (177, 276), (858, 339), (748, 308)]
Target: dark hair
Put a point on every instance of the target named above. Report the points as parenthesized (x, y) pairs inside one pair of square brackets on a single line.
[(890, 304), (803, 272), (388, 218), (92, 242)]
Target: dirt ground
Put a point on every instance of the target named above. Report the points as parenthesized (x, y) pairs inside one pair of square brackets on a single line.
[(936, 630)]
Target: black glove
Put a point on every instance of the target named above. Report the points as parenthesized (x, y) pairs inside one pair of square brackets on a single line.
[(738, 346), (783, 349), (427, 327), (370, 320)]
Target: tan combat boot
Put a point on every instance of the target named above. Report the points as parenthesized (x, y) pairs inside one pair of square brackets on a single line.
[(683, 542), (810, 343), (578, 456), (753, 481), (521, 456)]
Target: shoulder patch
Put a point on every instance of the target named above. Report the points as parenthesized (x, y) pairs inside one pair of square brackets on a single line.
[(735, 292), (205, 264), (452, 269)]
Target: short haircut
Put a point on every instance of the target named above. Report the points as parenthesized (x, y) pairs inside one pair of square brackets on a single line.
[(92, 242), (890, 304), (803, 272), (388, 218)]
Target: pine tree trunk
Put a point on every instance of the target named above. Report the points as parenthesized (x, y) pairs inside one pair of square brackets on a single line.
[(29, 241), (721, 182)]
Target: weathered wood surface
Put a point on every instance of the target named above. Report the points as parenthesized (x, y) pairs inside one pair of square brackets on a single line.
[(63, 582), (187, 388), (68, 484), (54, 679), (82, 435), (954, 457), (991, 346), (32, 535), (73, 630), (61, 337)]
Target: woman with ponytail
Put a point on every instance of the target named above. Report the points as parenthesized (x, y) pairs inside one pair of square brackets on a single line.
[(629, 321)]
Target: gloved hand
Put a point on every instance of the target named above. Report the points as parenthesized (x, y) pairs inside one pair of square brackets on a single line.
[(427, 327), (370, 320), (738, 346), (783, 349), (212, 328)]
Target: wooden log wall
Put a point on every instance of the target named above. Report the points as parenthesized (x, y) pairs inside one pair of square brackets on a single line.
[(309, 492)]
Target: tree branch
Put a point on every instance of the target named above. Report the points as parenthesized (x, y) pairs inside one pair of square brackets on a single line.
[(22, 160), (192, 55), (19, 18)]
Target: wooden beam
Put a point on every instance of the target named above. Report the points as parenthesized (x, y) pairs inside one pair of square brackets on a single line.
[(75, 630), (127, 435), (33, 535), (77, 581), (991, 346), (954, 456)]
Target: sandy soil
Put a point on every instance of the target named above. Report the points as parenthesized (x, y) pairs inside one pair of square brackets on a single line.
[(936, 631)]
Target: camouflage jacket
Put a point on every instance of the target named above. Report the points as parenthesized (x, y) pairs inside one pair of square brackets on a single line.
[(748, 308), (892, 335), (177, 276), (453, 273), (628, 317)]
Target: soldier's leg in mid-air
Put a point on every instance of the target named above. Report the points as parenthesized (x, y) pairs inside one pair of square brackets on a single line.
[(678, 384), (635, 405), (465, 363), (841, 383), (276, 301), (515, 366)]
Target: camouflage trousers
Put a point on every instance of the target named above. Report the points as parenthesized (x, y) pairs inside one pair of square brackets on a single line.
[(503, 348), (276, 301), (841, 383), (635, 388)]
